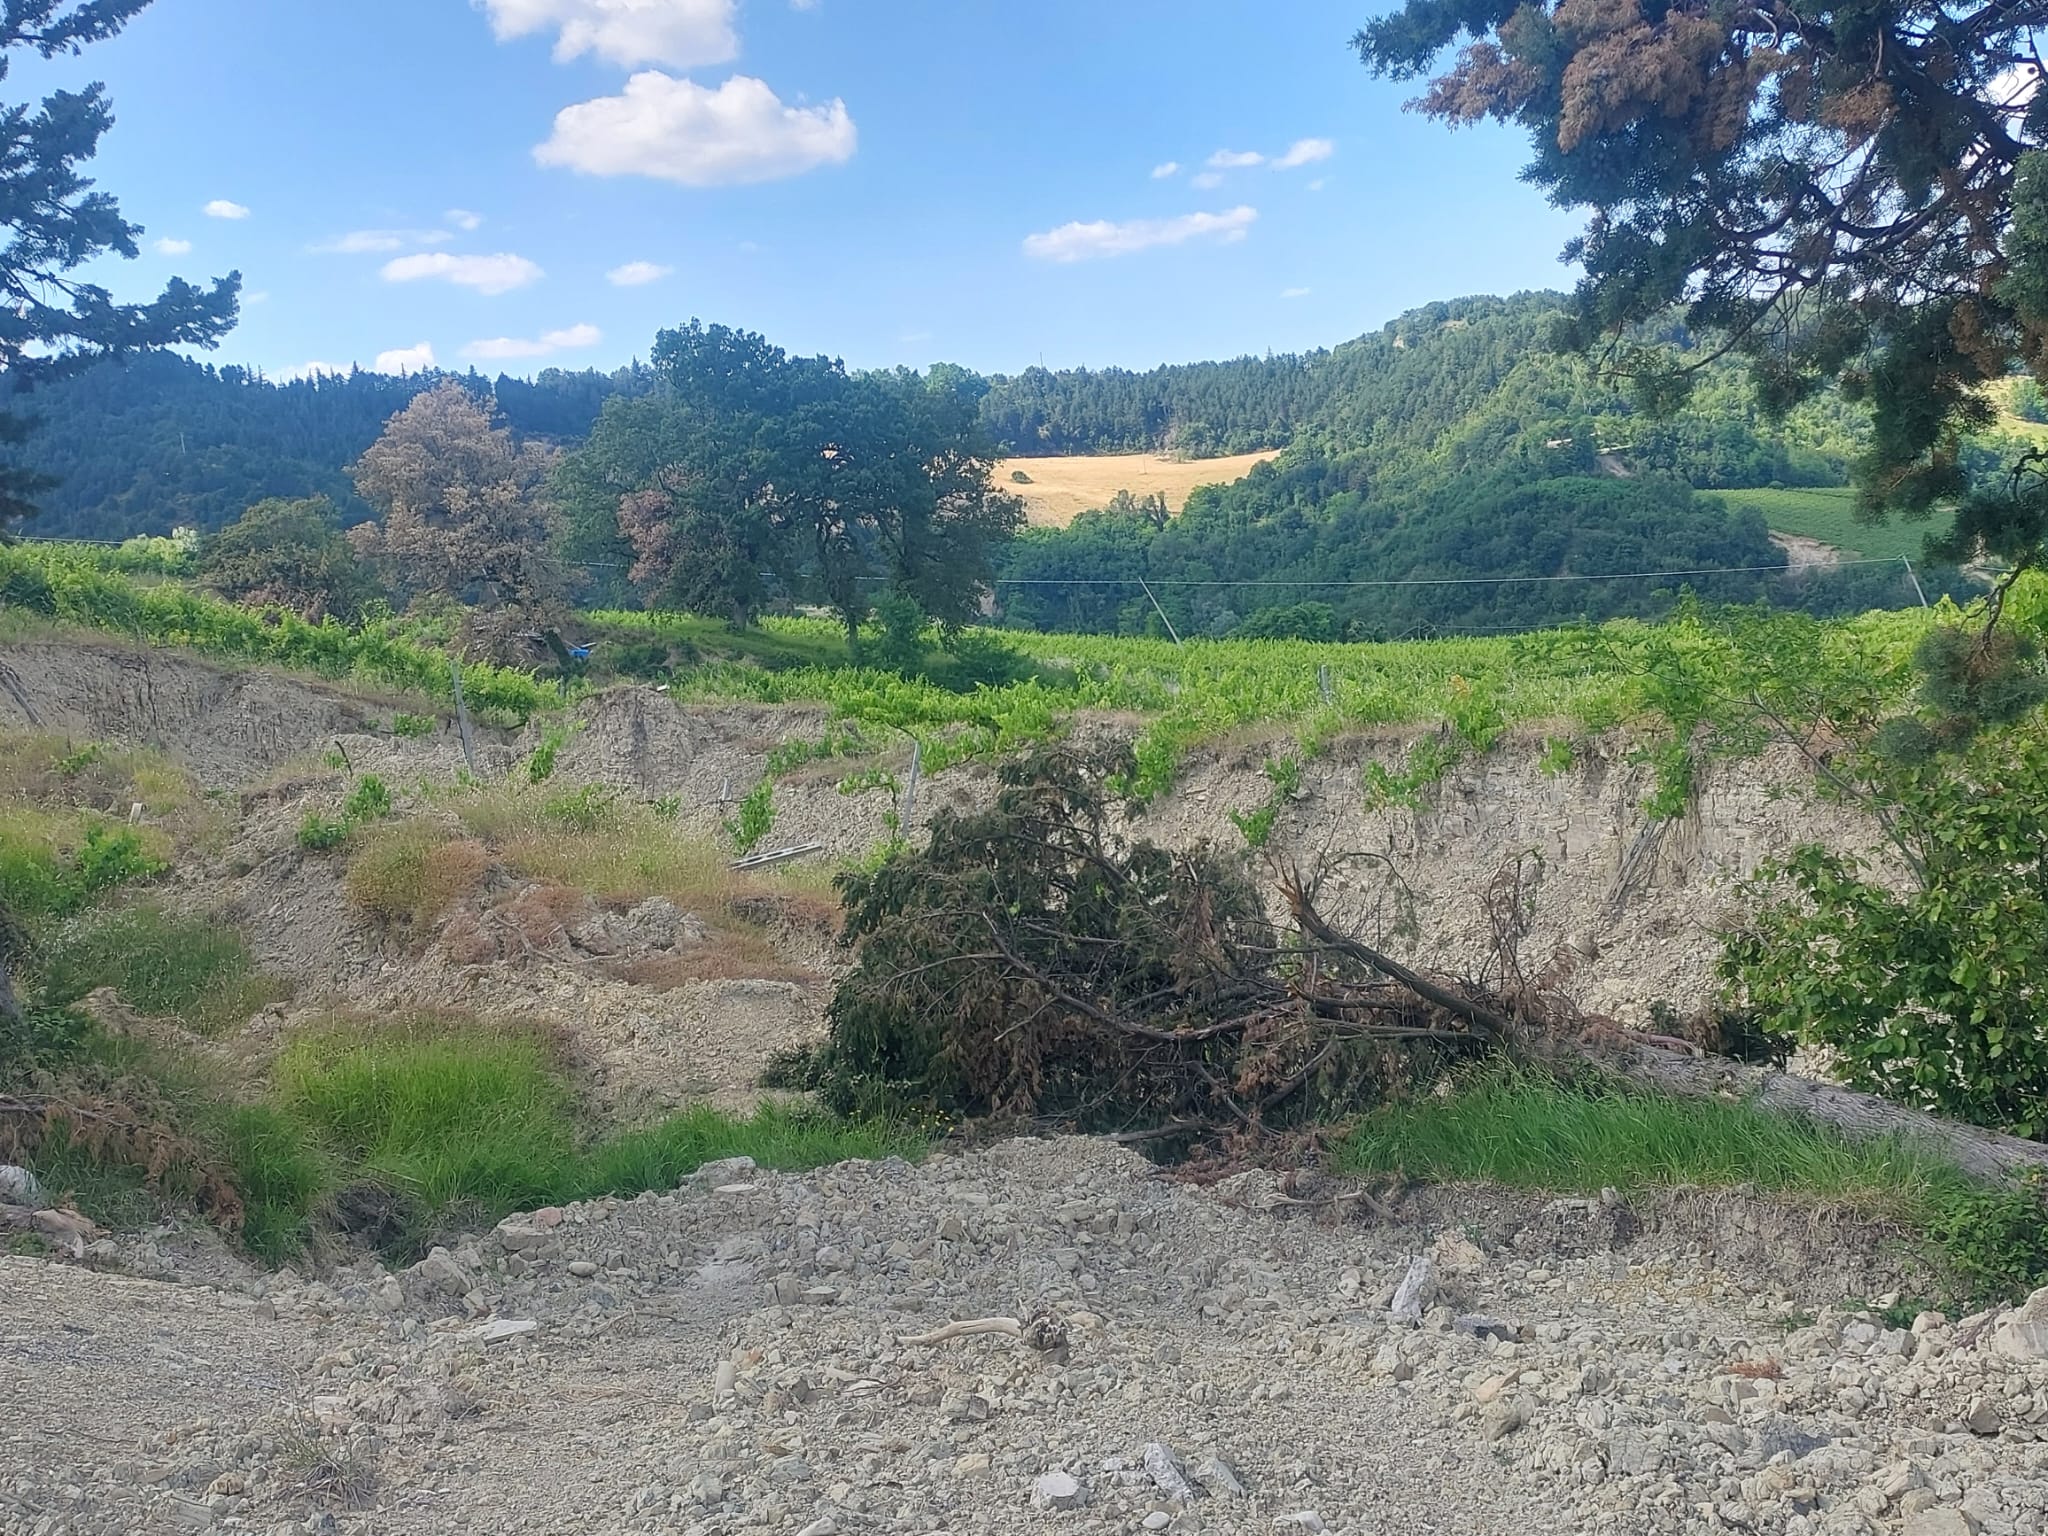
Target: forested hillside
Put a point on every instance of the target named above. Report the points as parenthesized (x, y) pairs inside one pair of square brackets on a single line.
[(161, 441), (1450, 471), (1450, 384)]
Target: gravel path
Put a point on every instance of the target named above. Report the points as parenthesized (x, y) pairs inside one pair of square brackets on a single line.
[(751, 1353)]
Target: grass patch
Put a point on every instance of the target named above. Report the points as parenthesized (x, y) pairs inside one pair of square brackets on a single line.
[(458, 1116), (1528, 1130), (164, 964), (280, 1173), (775, 1136), (1828, 513), (472, 1121), (114, 1194)]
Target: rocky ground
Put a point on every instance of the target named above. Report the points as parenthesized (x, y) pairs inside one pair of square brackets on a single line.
[(758, 1352)]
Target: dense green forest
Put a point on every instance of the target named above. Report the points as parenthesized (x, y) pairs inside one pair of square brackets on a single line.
[(159, 441), (1454, 446), (1329, 557)]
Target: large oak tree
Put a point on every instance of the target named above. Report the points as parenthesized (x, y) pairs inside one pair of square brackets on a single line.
[(751, 471)]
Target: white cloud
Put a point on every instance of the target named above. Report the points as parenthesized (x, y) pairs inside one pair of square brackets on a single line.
[(681, 33), (676, 130), (170, 247), (221, 208), (1317, 185), (637, 274), (414, 359), (1235, 159), (503, 348), (1165, 169), (256, 296), (313, 370), (1294, 293), (486, 274), (1206, 179), (366, 242), (463, 219), (1305, 152), (1083, 242)]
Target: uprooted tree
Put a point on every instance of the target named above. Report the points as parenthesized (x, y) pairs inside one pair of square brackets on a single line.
[(1031, 962)]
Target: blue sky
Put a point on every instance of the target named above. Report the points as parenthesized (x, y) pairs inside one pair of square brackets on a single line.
[(891, 181)]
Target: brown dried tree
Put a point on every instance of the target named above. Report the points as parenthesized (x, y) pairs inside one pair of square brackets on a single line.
[(465, 516)]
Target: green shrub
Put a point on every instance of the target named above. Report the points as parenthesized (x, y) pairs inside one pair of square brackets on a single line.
[(403, 725), (1256, 826), (540, 767), (39, 878), (318, 833), (756, 818), (1558, 757), (46, 1036), (370, 800), (1930, 996)]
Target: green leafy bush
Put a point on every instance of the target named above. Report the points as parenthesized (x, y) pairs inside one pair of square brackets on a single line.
[(318, 833), (1930, 995), (40, 878), (369, 800), (756, 817), (540, 767), (404, 725), (1256, 825)]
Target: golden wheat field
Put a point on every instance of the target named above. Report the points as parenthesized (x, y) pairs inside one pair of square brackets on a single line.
[(1062, 488)]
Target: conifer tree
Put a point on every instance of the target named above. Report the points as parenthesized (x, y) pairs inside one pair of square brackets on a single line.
[(52, 324)]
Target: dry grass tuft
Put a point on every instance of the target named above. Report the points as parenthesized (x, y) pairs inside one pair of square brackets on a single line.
[(411, 874), (46, 772), (621, 853)]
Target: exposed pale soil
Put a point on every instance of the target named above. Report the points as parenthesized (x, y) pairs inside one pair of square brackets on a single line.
[(1630, 903)]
